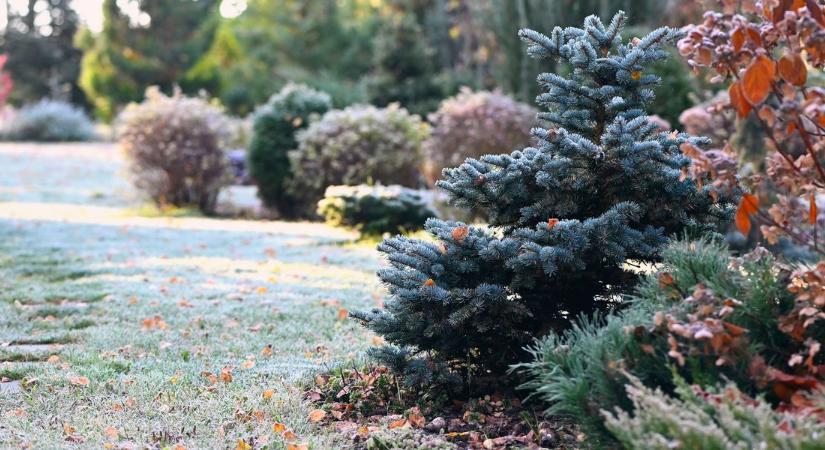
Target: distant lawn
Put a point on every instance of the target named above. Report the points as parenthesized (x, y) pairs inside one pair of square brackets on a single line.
[(149, 311)]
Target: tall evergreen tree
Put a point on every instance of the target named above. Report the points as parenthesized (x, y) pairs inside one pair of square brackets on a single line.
[(43, 60), (153, 45), (405, 69), (602, 190)]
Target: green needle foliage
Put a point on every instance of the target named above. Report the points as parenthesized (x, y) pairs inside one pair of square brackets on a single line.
[(274, 129), (602, 187)]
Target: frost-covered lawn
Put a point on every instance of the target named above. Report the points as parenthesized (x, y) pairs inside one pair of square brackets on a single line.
[(120, 330)]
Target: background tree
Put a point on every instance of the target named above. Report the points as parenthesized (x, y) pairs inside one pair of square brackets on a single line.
[(39, 43), (326, 44), (603, 187), (153, 44), (404, 68)]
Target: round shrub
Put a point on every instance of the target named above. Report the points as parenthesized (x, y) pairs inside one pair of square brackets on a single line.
[(175, 146), (473, 124), (48, 121), (375, 210), (359, 144), (275, 125)]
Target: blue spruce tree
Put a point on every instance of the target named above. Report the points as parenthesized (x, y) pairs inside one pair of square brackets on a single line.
[(602, 190)]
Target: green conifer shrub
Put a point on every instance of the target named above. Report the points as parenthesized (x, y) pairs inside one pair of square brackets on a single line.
[(356, 145), (274, 128), (602, 187), (716, 418), (375, 210)]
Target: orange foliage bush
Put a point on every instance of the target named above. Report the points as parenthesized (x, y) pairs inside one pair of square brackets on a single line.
[(765, 51)]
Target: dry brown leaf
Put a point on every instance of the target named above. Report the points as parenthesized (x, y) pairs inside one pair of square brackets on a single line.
[(317, 415), (79, 381)]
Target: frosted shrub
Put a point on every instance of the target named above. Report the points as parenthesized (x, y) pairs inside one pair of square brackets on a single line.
[(474, 124), (374, 210), (710, 419), (359, 144), (48, 121), (175, 147)]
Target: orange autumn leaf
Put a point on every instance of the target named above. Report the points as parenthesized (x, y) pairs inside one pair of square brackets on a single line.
[(226, 374), (459, 233), (111, 433), (429, 282), (416, 420), (792, 69), (748, 206), (278, 427), (737, 100), (289, 435), (297, 446), (812, 210), (757, 79), (343, 314), (317, 415), (268, 394), (636, 75), (737, 38), (242, 445), (397, 424), (551, 223), (79, 381)]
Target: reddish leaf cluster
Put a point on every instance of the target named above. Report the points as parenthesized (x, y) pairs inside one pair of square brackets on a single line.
[(764, 50), (6, 83), (703, 326), (703, 331)]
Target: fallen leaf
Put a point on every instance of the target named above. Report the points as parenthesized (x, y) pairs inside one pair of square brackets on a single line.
[(397, 424), (300, 446), (111, 433), (268, 394), (242, 445), (226, 374), (317, 415), (460, 233), (278, 427), (343, 314), (79, 381)]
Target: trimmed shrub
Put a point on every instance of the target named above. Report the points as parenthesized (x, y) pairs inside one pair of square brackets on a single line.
[(48, 121), (375, 210), (176, 149), (474, 124), (359, 144), (275, 125), (716, 418)]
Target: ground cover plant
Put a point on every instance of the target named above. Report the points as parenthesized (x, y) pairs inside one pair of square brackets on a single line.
[(177, 149), (604, 186), (274, 129)]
